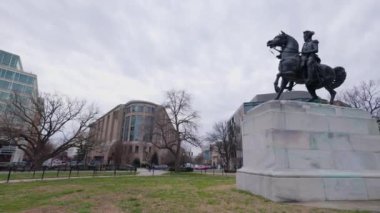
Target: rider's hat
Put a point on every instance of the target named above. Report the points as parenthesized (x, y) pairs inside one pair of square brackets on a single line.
[(307, 32)]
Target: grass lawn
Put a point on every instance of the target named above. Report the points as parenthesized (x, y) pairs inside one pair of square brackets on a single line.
[(168, 193)]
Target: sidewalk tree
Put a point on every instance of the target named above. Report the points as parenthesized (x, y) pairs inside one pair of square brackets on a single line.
[(47, 126), (224, 144), (175, 123)]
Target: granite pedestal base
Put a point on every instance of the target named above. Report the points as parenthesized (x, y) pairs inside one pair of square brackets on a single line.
[(297, 151)]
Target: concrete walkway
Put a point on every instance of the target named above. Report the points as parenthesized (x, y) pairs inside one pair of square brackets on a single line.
[(146, 172)]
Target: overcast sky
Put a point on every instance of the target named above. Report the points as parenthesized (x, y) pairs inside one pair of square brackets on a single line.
[(111, 52)]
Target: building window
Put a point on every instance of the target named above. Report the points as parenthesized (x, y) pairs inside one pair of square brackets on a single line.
[(140, 108), (126, 128), (136, 149), (9, 75), (131, 137), (4, 85)]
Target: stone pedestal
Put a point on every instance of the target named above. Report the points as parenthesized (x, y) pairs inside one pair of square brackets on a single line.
[(297, 151)]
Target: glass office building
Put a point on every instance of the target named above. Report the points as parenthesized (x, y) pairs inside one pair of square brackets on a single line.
[(13, 79)]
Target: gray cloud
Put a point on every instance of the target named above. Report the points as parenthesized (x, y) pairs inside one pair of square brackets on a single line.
[(112, 52)]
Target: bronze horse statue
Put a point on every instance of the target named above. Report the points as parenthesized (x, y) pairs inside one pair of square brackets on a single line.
[(291, 72)]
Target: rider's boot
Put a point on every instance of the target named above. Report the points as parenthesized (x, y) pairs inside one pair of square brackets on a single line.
[(309, 78)]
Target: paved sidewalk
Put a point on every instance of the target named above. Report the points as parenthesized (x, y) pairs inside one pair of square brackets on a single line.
[(146, 172)]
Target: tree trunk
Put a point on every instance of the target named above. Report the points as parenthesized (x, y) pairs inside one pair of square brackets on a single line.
[(178, 157), (227, 167), (37, 163)]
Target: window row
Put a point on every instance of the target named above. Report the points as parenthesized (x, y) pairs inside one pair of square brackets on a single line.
[(4, 96), (138, 128), (140, 108), (16, 87), (9, 59), (14, 76), (136, 149)]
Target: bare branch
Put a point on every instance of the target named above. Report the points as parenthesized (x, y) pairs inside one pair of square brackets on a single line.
[(175, 123), (366, 96), (47, 126)]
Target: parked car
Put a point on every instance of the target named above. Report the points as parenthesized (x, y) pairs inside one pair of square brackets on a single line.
[(202, 167), (182, 169), (76, 164), (53, 163)]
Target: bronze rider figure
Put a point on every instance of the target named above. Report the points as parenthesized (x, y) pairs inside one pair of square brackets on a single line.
[(309, 57)]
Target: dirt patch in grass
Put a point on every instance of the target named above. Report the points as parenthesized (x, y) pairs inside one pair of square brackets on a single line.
[(106, 207), (221, 187), (47, 209)]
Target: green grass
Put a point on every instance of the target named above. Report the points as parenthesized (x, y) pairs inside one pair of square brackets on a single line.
[(168, 193)]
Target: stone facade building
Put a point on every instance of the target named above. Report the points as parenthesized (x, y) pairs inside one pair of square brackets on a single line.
[(124, 136)]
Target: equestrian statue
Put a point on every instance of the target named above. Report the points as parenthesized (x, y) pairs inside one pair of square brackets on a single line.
[(304, 67)]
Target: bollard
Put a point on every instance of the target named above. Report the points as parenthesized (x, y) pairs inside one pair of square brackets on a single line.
[(114, 171), (58, 172), (71, 168), (43, 173), (9, 174)]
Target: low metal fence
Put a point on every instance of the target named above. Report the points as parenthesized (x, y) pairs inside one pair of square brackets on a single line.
[(214, 171), (14, 173)]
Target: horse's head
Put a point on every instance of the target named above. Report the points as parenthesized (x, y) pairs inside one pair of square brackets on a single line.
[(278, 41)]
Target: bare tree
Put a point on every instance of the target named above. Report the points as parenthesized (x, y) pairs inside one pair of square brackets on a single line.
[(50, 121), (366, 96), (175, 123), (225, 146)]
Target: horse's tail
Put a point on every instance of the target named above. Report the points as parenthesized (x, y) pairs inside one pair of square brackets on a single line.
[(340, 76)]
